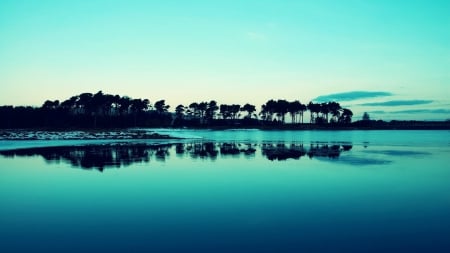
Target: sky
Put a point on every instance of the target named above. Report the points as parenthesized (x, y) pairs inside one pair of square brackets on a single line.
[(388, 58)]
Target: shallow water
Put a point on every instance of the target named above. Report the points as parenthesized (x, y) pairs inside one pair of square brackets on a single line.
[(231, 191)]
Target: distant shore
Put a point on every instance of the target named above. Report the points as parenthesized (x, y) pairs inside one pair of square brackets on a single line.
[(149, 133), (370, 125)]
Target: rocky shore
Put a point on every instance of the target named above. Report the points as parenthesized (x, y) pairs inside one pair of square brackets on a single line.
[(126, 134)]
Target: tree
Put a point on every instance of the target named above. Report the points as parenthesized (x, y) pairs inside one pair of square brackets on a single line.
[(115, 105), (202, 106), (224, 110), (96, 105), (365, 117), (263, 113), (314, 110), (84, 103), (137, 106), (193, 110), (346, 116), (294, 108), (268, 110), (109, 105), (161, 107), (211, 110), (234, 110), (230, 111), (324, 110), (50, 104), (124, 105), (250, 109), (303, 109), (69, 104), (335, 110), (141, 105), (85, 109), (179, 111), (281, 108)]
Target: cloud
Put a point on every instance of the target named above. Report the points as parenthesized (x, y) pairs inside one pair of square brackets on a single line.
[(378, 112), (399, 103), (351, 95), (256, 36), (417, 111)]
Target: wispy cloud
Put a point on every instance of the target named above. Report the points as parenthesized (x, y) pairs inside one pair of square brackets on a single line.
[(417, 111), (256, 36), (399, 103), (352, 95)]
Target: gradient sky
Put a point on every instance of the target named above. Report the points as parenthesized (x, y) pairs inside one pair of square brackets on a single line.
[(231, 51)]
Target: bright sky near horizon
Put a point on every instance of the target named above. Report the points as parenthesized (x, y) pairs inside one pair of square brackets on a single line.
[(233, 51)]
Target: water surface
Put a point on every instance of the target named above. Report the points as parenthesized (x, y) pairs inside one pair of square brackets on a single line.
[(231, 191)]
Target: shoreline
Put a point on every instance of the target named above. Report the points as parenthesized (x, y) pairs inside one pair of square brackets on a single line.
[(151, 132), (85, 134)]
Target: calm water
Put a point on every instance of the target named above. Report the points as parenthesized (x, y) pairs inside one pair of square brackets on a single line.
[(230, 191)]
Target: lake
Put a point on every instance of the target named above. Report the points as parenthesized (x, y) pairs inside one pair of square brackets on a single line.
[(229, 191)]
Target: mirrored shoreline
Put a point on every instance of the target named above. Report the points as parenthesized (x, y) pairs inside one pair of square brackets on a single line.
[(116, 155)]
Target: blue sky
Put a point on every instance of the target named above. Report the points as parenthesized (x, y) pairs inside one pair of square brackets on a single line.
[(231, 51)]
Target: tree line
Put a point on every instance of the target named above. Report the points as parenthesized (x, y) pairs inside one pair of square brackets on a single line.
[(99, 110)]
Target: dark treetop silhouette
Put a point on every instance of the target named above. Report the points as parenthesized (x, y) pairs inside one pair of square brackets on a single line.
[(105, 110), (101, 110)]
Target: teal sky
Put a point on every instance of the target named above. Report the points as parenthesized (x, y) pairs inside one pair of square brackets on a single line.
[(231, 51)]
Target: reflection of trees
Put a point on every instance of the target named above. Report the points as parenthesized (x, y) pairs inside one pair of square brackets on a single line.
[(234, 149), (325, 150), (96, 156), (117, 155), (211, 150), (202, 150), (179, 148), (282, 151), (161, 152), (347, 147)]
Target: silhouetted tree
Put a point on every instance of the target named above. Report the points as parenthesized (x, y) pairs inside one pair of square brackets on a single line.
[(346, 116), (302, 110), (294, 109), (250, 109), (314, 110), (161, 107), (230, 111), (365, 117), (69, 104), (335, 110), (211, 110), (124, 105), (324, 110), (267, 110), (106, 110), (202, 106), (179, 111), (194, 110), (281, 108), (50, 104)]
